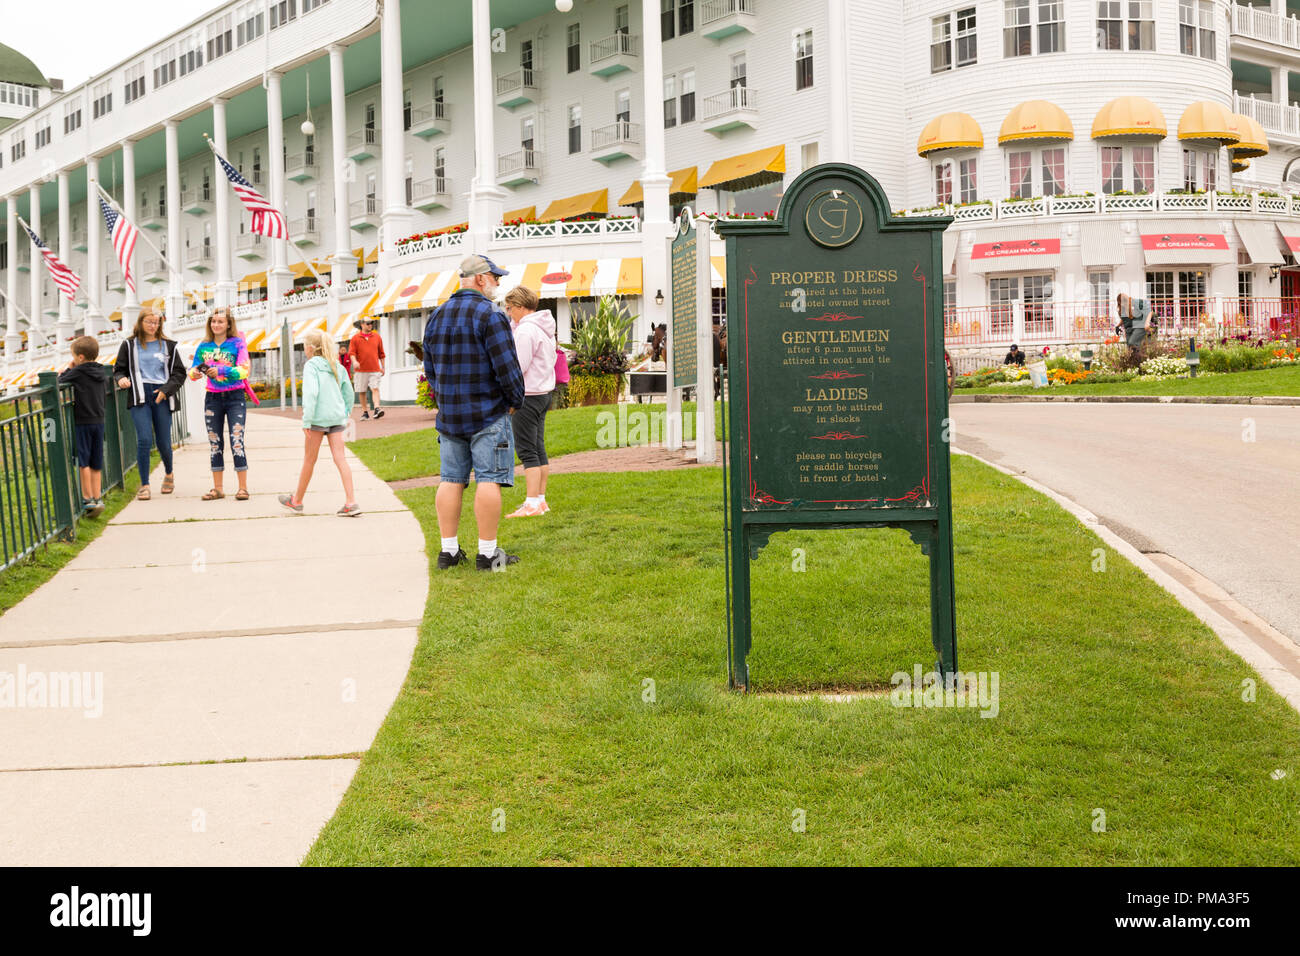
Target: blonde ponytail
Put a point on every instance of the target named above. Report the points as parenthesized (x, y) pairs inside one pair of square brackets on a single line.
[(323, 345)]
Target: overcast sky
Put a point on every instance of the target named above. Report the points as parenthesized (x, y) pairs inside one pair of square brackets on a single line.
[(75, 39)]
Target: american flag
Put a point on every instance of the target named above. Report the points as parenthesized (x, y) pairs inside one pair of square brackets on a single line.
[(267, 220), (123, 235), (67, 280)]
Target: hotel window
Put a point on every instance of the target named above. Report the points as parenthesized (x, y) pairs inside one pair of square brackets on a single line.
[(1126, 24), (1051, 26), (191, 54), (17, 147), (43, 135), (960, 25), (527, 133), (1020, 173), (71, 118), (575, 129), (685, 17), (943, 183), (1017, 30), (967, 178), (739, 72), (439, 96), (1099, 294), (220, 36), (667, 22), (1038, 303), (623, 106), (1160, 293), (283, 12), (1200, 169), (940, 44), (257, 165), (410, 180), (250, 22), (206, 193), (803, 60), (573, 50), (949, 300), (670, 102), (686, 114), (406, 111), (440, 168), (1112, 169), (621, 19), (309, 5), (134, 87), (1245, 292), (162, 200), (1196, 28), (526, 61), (1191, 295), (966, 38), (309, 151), (164, 66), (1053, 165), (102, 102), (1144, 169)]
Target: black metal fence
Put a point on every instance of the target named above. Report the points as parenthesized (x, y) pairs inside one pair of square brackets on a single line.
[(40, 497)]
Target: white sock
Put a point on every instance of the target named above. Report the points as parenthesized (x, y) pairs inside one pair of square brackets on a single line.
[(541, 499), (532, 502), (487, 548), (450, 545)]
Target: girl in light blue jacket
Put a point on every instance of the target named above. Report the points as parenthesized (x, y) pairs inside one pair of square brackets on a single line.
[(326, 406)]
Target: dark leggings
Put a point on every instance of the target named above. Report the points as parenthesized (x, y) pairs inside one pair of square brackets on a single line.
[(530, 430), (153, 425)]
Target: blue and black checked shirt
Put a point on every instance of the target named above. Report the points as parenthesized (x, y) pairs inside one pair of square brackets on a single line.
[(471, 364)]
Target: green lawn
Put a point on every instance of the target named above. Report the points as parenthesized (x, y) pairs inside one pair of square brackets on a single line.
[(525, 702), (25, 577), (415, 454), (1271, 381)]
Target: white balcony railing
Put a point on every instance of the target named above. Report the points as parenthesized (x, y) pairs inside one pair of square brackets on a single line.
[(1282, 119), (428, 190), (712, 10), (622, 132), (304, 230), (588, 228), (198, 257), (1261, 24), (430, 244), (1208, 202), (248, 242), (249, 310), (363, 286), (624, 44), (736, 98), (518, 161), (517, 81), (366, 206)]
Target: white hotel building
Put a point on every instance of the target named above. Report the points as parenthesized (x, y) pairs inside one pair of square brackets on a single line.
[(1061, 134)]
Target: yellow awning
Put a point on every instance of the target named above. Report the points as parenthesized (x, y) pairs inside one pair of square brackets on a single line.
[(1240, 165), (413, 292), (526, 214), (1253, 142), (1130, 116), (253, 340), (373, 256), (950, 131), (155, 303), (579, 205), (684, 185), (747, 170), (300, 270), (1036, 120), (1208, 121), (253, 279), (206, 294), (116, 316), (343, 327)]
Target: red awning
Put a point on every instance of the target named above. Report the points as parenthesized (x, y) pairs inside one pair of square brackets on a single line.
[(1184, 243), (1033, 248)]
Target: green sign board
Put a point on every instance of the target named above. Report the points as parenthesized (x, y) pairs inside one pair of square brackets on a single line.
[(837, 389), (685, 363)]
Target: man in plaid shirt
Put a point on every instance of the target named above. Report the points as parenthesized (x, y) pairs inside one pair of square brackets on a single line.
[(473, 372)]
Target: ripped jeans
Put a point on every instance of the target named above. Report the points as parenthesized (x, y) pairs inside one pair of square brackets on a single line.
[(220, 408)]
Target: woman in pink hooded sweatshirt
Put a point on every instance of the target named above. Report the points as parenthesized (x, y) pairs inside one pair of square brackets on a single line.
[(535, 343)]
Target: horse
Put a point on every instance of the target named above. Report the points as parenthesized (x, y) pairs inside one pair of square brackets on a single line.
[(658, 341)]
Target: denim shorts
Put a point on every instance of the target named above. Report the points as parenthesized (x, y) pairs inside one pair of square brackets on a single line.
[(327, 429), (490, 452)]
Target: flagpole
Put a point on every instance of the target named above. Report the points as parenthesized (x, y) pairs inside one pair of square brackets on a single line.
[(140, 233)]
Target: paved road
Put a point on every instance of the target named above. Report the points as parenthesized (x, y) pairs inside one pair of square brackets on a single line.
[(1185, 480), (220, 631)]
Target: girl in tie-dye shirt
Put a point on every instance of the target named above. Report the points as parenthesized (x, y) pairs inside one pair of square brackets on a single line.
[(223, 358)]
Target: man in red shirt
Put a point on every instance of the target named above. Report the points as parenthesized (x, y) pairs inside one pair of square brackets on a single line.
[(367, 353)]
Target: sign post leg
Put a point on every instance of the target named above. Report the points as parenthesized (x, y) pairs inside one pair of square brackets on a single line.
[(943, 611), (738, 672)]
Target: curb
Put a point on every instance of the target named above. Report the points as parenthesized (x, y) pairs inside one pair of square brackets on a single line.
[(1125, 399), (1269, 668)]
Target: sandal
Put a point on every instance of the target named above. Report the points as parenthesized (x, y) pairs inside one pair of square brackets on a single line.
[(169, 484), (143, 494), (213, 495), (241, 494)]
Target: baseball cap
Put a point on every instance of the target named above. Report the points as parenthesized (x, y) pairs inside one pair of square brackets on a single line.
[(479, 265)]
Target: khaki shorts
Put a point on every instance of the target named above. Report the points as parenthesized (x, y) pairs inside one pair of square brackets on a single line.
[(364, 380)]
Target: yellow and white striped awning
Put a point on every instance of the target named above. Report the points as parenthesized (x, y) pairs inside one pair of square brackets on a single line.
[(253, 340), (718, 268), (413, 292), (343, 327), (573, 278)]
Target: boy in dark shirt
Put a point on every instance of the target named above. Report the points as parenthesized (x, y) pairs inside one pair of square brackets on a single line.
[(88, 379)]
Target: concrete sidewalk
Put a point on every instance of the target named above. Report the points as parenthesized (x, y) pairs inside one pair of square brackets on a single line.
[(201, 631)]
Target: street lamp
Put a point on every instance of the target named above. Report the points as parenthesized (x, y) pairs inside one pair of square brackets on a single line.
[(564, 6), (1193, 359)]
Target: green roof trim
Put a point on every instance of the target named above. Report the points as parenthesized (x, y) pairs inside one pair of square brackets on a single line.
[(16, 68)]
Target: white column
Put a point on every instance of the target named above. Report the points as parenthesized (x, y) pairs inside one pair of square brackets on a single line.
[(345, 265), (657, 228), (94, 284), (64, 326), (397, 215), (175, 281), (486, 198), (837, 39), (1281, 85), (36, 325), (131, 305), (225, 280), (13, 340), (277, 280)]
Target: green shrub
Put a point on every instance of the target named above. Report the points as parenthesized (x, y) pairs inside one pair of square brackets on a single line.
[(1234, 358), (1065, 364)]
